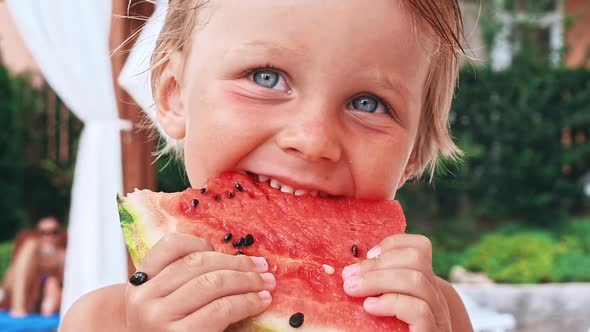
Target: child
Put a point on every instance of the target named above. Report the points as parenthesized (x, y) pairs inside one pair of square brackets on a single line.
[(341, 98)]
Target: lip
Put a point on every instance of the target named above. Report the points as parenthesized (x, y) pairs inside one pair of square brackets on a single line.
[(309, 186)]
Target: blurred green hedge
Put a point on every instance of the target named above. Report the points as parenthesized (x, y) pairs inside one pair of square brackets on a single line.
[(519, 255), (517, 258), (5, 255), (520, 162), (32, 185)]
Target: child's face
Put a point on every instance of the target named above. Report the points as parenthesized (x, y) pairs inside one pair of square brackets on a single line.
[(319, 95)]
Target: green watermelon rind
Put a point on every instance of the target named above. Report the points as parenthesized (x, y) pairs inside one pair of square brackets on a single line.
[(133, 232)]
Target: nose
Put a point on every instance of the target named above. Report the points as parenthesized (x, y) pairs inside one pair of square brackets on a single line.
[(311, 139)]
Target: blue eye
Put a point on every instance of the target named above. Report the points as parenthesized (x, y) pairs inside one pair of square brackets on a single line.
[(266, 78), (368, 104)]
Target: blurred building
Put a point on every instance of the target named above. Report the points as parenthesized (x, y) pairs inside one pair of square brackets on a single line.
[(14, 54), (552, 24), (550, 29)]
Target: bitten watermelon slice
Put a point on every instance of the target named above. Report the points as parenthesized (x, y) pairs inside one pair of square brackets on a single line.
[(306, 240)]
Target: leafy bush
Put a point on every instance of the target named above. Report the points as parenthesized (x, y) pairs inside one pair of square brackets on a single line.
[(5, 255), (519, 258), (10, 152), (574, 263), (443, 262), (514, 253), (171, 176), (572, 266), (522, 130), (32, 184), (577, 233)]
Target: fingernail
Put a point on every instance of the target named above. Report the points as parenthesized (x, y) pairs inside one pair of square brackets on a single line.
[(351, 271), (269, 280), (370, 302), (261, 264), (264, 295), (374, 252), (352, 283)]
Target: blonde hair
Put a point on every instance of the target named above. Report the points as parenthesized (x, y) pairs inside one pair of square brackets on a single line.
[(442, 18)]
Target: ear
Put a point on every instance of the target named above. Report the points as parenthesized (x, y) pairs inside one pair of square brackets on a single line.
[(170, 112), (408, 171)]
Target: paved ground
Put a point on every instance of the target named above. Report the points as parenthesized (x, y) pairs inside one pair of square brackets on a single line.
[(538, 308)]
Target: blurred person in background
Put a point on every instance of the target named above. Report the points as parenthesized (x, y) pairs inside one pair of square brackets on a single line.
[(33, 282)]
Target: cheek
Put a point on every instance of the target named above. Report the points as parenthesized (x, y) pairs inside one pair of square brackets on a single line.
[(222, 105), (221, 130), (378, 164)]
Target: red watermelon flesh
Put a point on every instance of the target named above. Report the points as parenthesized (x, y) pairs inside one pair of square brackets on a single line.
[(302, 238)]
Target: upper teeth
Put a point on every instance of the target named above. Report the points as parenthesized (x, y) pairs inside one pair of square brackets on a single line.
[(275, 184), (300, 192), (288, 189)]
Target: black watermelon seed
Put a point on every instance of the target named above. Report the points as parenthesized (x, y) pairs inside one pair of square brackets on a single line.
[(195, 202), (355, 250), (239, 253), (249, 240), (239, 242), (227, 237), (138, 278), (296, 320), (217, 197), (203, 190), (230, 194), (239, 187)]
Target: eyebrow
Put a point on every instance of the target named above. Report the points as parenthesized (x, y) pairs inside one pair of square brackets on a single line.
[(276, 48), (387, 82)]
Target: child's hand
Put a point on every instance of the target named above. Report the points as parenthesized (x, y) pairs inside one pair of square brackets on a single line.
[(398, 279), (193, 288)]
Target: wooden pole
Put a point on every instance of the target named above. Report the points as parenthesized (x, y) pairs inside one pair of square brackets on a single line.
[(578, 35), (136, 147)]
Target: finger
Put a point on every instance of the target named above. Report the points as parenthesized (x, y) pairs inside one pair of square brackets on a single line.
[(197, 263), (413, 311), (220, 313), (403, 281), (403, 258), (170, 248), (397, 241), (209, 287)]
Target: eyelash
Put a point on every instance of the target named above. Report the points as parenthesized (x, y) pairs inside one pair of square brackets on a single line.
[(379, 99), (253, 69), (389, 109)]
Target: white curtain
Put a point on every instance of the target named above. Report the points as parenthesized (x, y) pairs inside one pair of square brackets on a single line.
[(70, 42), (135, 77)]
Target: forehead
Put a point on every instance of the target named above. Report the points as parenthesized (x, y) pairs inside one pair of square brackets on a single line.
[(349, 25), (345, 34)]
